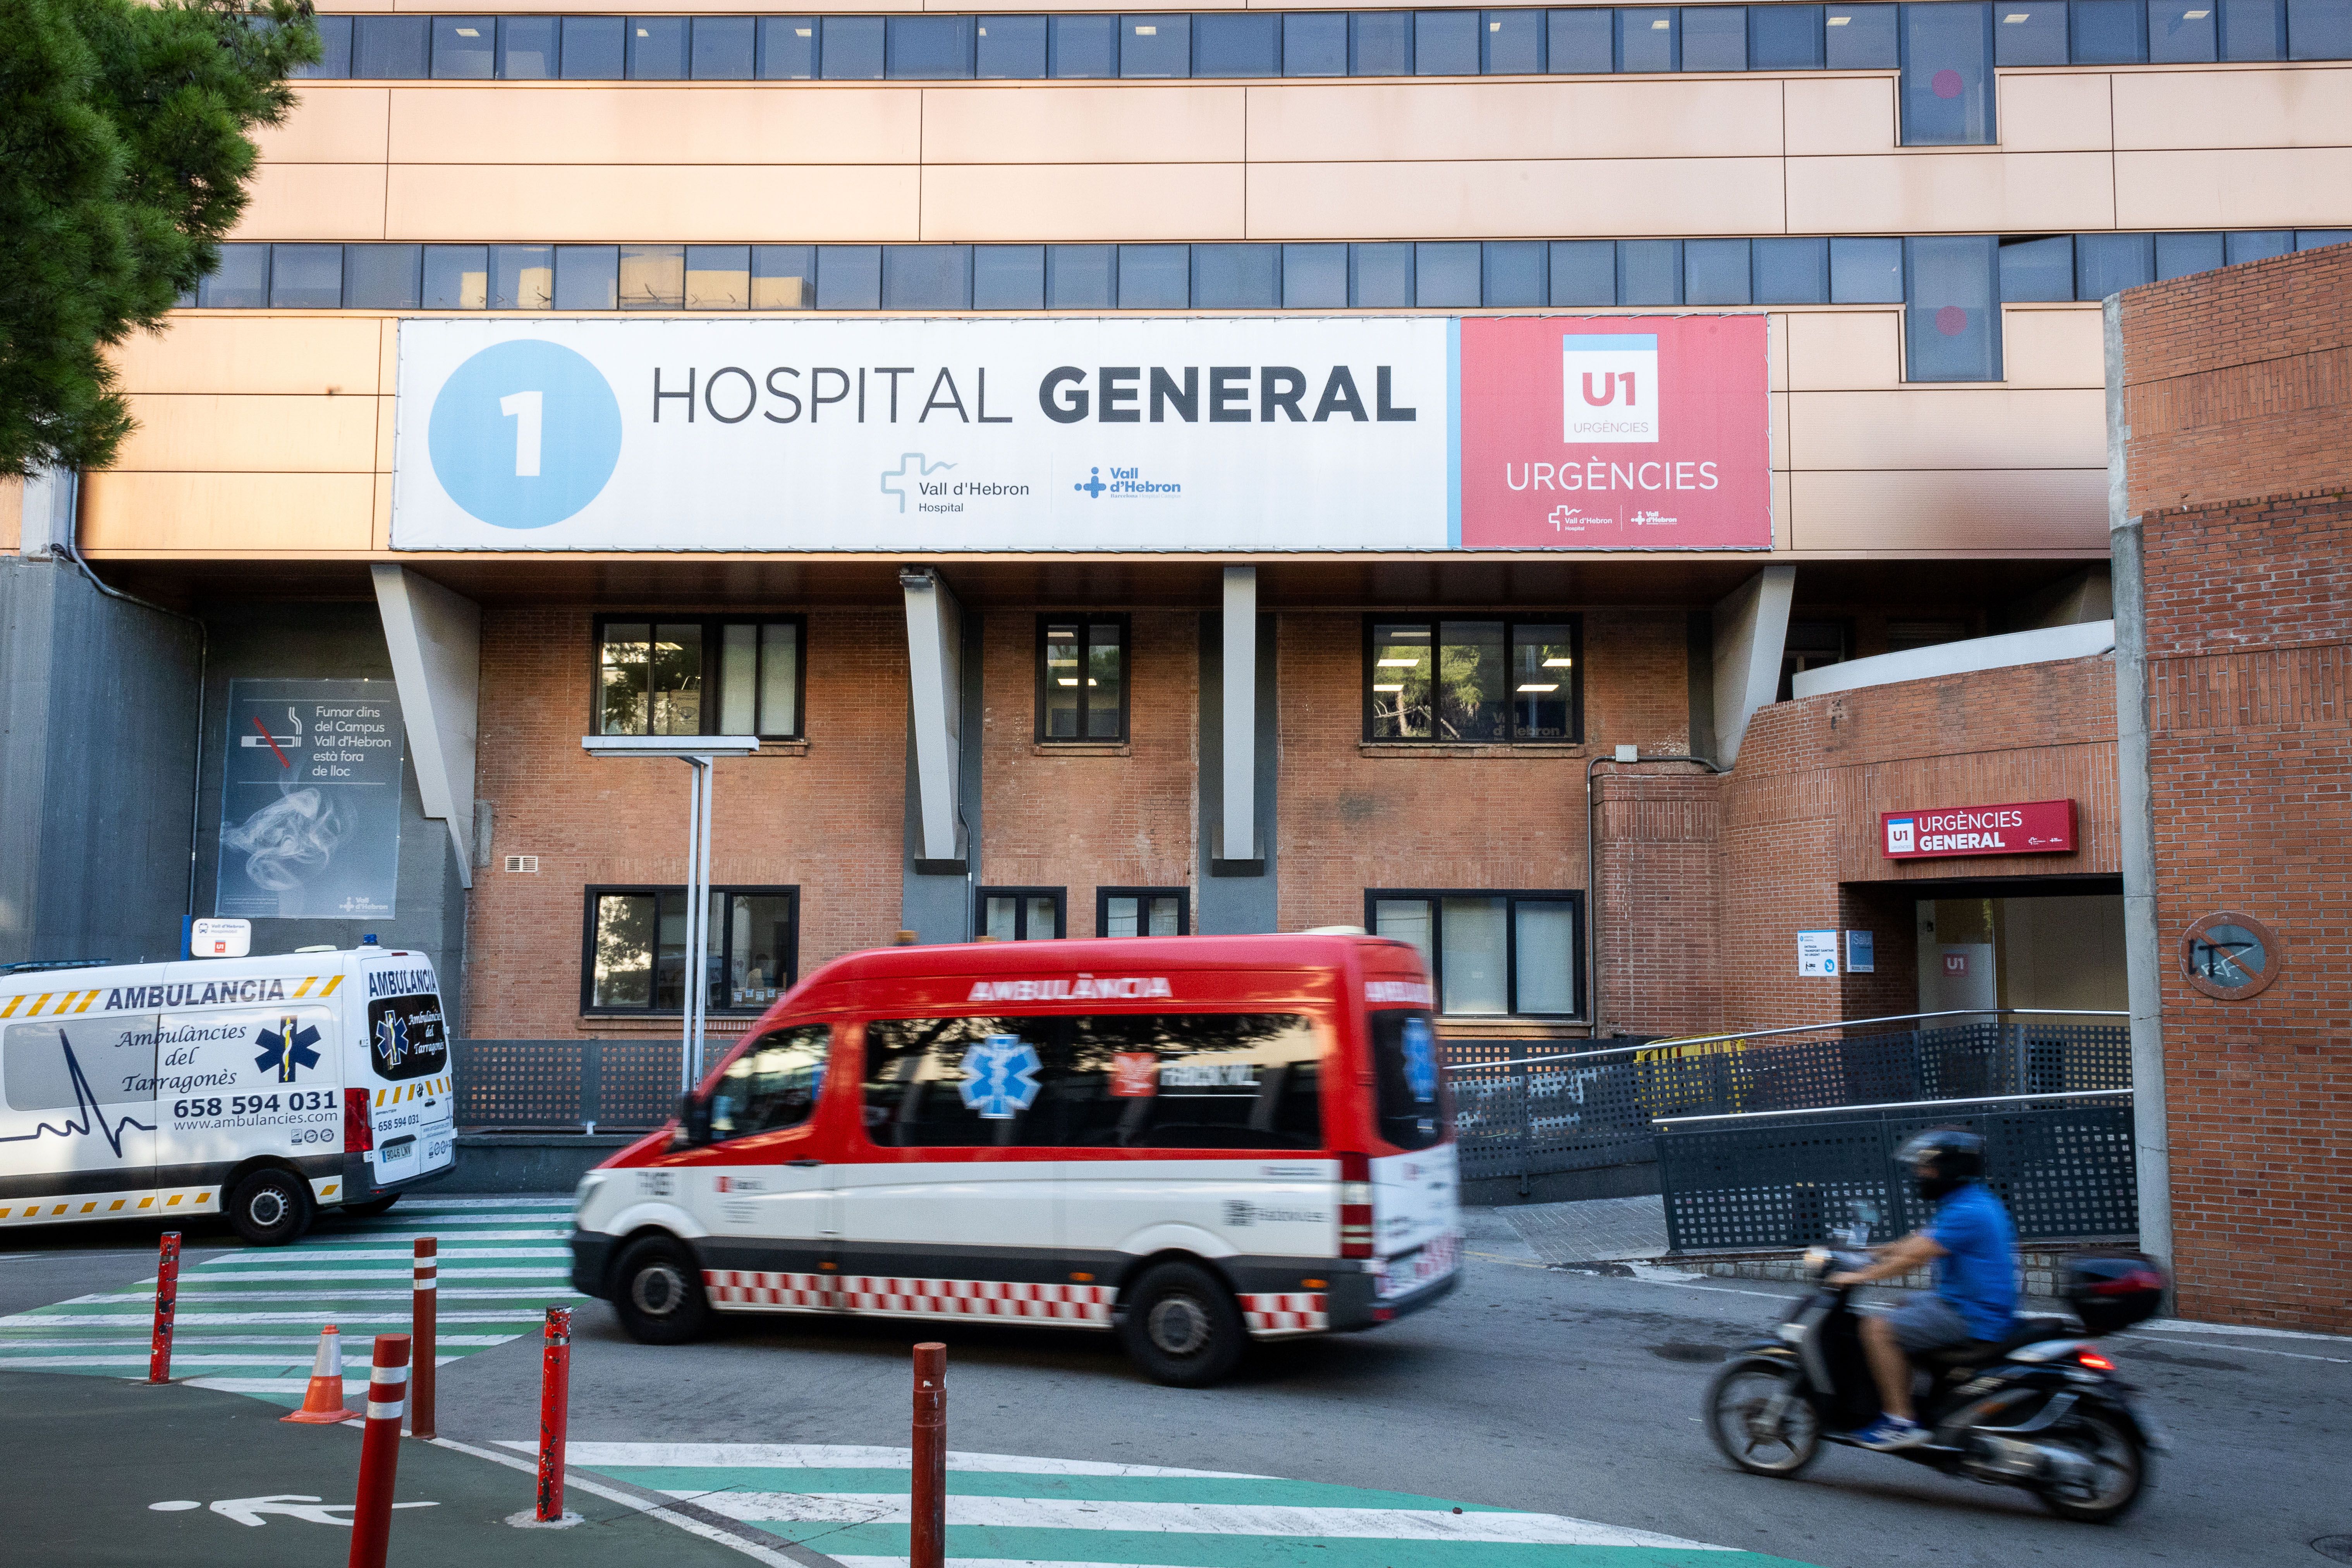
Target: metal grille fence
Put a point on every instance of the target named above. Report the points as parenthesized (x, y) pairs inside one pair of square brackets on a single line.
[(570, 1086)]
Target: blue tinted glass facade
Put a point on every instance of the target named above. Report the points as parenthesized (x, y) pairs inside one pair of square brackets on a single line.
[(1315, 43), (1861, 37), (1952, 313), (1714, 37), (1238, 45), (2038, 269), (1792, 271), (1786, 37), (1009, 48)]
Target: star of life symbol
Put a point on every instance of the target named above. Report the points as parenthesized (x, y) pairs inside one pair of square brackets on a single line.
[(1420, 1059), (1000, 1076), (392, 1030), (911, 466), (287, 1047)]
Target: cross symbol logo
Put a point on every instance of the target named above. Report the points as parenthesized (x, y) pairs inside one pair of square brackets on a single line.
[(1094, 487), (287, 1047), (1563, 516), (1000, 1076), (911, 464), (393, 1046)]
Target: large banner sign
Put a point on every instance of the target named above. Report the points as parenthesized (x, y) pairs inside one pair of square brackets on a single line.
[(309, 824), (1144, 434)]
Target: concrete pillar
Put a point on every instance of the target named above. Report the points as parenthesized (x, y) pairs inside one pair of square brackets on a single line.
[(1751, 630), (435, 637)]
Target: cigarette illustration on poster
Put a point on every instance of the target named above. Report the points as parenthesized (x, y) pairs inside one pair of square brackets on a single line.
[(310, 823)]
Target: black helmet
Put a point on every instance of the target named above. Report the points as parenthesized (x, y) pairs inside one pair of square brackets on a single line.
[(1941, 1158)]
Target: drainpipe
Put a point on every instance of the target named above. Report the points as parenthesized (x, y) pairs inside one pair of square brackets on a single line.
[(1626, 756)]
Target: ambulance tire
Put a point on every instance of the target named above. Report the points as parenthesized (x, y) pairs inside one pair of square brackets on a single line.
[(658, 1291), (271, 1207), (1182, 1327)]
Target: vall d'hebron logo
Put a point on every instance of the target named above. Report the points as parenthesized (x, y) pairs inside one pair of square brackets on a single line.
[(1125, 484), (938, 495)]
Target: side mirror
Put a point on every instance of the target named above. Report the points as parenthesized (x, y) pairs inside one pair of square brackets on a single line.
[(693, 1122)]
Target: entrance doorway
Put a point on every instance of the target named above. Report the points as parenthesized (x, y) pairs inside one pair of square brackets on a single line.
[(2059, 952)]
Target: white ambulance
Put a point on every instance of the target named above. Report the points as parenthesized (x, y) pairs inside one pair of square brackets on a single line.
[(264, 1088)]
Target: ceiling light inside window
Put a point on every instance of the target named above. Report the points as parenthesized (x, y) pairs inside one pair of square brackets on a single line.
[(1377, 686), (470, 32), (1146, 32), (1532, 687), (1399, 663), (1839, 21), (2016, 17), (1067, 680), (1660, 26), (1559, 663)]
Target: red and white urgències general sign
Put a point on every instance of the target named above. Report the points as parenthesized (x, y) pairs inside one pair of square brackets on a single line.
[(2023, 828)]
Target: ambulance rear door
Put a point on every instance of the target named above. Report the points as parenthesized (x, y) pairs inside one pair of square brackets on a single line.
[(401, 1062), (246, 1063)]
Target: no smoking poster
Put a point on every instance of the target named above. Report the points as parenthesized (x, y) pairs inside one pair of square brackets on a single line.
[(309, 825)]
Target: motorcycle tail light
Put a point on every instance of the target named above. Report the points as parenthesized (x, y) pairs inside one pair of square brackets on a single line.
[(2095, 1361), (1355, 1205), (359, 1128)]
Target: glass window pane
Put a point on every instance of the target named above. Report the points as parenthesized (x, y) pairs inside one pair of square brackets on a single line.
[(391, 49), (1081, 277), (718, 277), (1445, 43), (780, 679), (1952, 326), (1011, 48), (1792, 271), (1236, 277), (1859, 37), (2319, 29), (1583, 271), (2031, 33), (241, 281), (724, 47), (1159, 44), (2105, 263), (2254, 245), (1511, 42), (623, 656), (1008, 277), (1473, 960), (526, 48), (1471, 680), (1154, 277), (2253, 29), (2109, 32), (1167, 918), (306, 277), (1231, 44), (927, 277), (849, 277), (2038, 269), (783, 276), (522, 277), (1000, 918), (1408, 920), (2179, 254), (759, 952), (1865, 271), (594, 49), (456, 277), (1400, 682), (1544, 936), (1063, 677), (1514, 273), (787, 49), (1445, 273), (2315, 238), (1646, 39), (657, 48), (382, 277), (2180, 31), (1581, 42), (674, 681), (465, 49), (1083, 46), (334, 61), (653, 277), (850, 48), (1714, 37), (1543, 680), (621, 968), (1215, 1080), (1044, 919), (930, 48), (1784, 37), (1716, 272), (587, 276), (1314, 277), (1650, 271), (1380, 43), (916, 1076), (669, 952), (1122, 916), (1315, 43), (738, 679), (1105, 686), (1947, 79), (1380, 274), (773, 1086)]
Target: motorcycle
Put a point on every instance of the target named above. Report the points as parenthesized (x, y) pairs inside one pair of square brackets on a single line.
[(2041, 1408)]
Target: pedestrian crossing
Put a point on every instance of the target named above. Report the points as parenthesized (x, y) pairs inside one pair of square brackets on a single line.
[(850, 1504), (248, 1321)]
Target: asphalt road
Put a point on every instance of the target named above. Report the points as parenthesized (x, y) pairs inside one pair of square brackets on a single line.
[(1532, 1389)]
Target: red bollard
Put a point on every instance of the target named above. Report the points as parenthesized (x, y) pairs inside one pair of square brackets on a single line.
[(380, 1451), (554, 1410), (167, 1305), (423, 1314), (927, 1526)]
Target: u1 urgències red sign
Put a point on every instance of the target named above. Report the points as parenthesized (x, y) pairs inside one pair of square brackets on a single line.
[(2023, 828), (1616, 433)]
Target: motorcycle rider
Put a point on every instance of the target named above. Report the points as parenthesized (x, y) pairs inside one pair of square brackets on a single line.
[(1973, 1247)]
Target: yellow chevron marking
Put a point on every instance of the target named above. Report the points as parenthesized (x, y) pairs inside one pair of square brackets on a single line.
[(172, 1201), (39, 1003), (86, 1002), (328, 1191), (379, 1097), (145, 1203), (304, 989), (115, 1204), (332, 980), (203, 1197), (13, 1003)]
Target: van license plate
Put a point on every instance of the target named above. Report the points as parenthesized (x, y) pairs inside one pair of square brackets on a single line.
[(400, 1149)]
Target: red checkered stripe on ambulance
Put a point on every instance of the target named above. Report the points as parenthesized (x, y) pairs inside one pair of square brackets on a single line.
[(902, 1296), (752, 1288), (1284, 1312)]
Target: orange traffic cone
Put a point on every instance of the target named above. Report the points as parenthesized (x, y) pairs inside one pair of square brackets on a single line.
[(322, 1402)]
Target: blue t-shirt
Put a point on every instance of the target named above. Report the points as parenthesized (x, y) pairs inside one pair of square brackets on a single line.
[(1978, 1273)]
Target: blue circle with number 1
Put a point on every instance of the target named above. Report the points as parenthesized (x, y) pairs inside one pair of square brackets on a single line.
[(525, 434)]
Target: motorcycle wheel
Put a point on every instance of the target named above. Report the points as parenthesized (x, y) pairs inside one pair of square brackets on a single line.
[(1737, 1404), (2118, 1467)]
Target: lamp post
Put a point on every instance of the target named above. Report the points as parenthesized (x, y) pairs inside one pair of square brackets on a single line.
[(698, 752)]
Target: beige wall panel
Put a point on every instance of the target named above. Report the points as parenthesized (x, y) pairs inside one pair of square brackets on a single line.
[(227, 514), (587, 201), (1844, 351), (2055, 114), (1950, 193), (621, 124), (1948, 428), (1776, 350), (387, 421), (2054, 346), (387, 361), (2297, 106), (247, 351), (331, 124), (1422, 121), (2061, 509), (1083, 201), (1777, 404), (380, 513), (2288, 187), (185, 432), (315, 201), (1783, 517), (1434, 201), (1082, 125), (1839, 114)]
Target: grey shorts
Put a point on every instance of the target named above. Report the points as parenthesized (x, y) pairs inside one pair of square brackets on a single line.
[(1927, 1321)]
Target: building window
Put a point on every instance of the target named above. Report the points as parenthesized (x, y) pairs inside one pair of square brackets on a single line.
[(1491, 953), (1809, 646), (1021, 914), (1141, 912), (1491, 681), (700, 677), (1082, 677), (636, 948)]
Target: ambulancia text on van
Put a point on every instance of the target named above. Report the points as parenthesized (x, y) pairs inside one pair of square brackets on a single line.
[(1190, 1140), (260, 1087)]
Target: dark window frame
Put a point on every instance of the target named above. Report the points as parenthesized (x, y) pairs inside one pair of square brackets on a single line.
[(1512, 898), (1511, 623), (1183, 897), (1125, 681), (712, 695), (589, 1008), (1021, 896)]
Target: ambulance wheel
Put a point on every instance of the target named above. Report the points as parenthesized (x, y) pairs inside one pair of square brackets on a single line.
[(373, 1207), (658, 1291), (271, 1208), (1180, 1326)]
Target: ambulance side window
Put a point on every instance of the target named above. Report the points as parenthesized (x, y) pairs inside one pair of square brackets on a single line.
[(771, 1085), (958, 1082), (1191, 1080)]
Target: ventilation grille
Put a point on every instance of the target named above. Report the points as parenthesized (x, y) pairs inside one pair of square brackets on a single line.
[(527, 865)]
